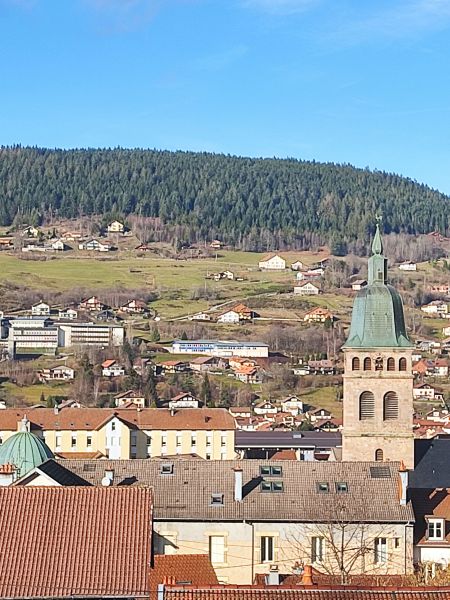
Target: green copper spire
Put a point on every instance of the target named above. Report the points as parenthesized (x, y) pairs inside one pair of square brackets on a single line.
[(377, 262), (377, 318), (377, 244)]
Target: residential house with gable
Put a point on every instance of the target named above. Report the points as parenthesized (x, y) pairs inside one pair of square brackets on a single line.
[(272, 262), (111, 368), (307, 288), (250, 514), (41, 309), (127, 432), (318, 315)]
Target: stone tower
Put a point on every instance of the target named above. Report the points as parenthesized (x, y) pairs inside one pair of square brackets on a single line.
[(378, 381)]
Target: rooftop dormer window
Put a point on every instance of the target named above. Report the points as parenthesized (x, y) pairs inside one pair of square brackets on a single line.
[(271, 471), (341, 487), (272, 486), (166, 469), (216, 499), (435, 529), (323, 487)]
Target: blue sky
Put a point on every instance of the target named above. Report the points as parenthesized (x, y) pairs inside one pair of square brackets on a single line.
[(360, 81)]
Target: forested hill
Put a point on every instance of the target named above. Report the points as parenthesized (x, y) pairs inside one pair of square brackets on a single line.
[(230, 196)]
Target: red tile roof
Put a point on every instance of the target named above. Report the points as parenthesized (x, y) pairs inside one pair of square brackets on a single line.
[(69, 541), (89, 419), (194, 569), (281, 593)]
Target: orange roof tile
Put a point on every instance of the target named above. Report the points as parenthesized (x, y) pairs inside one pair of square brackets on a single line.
[(194, 569), (89, 419), (70, 541)]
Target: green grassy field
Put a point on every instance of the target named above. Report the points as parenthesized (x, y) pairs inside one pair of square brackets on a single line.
[(324, 397), (31, 394)]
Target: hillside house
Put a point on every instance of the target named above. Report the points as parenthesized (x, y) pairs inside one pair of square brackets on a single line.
[(68, 313), (248, 375), (423, 391), (142, 365), (238, 313), (59, 373), (6, 242), (41, 309), (116, 227), (358, 284), (92, 304), (319, 414), (134, 307), (240, 411), (432, 529), (307, 289), (236, 362), (441, 367), (322, 367), (318, 315), (203, 364), (408, 265), (439, 415), (310, 274), (436, 308), (292, 405), (202, 316), (441, 288), (423, 367), (265, 408), (184, 400), (272, 262), (298, 265), (111, 368), (94, 245), (174, 366), (216, 244), (71, 236), (130, 398), (30, 232)]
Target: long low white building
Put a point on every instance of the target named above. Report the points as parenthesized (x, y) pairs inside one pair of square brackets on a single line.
[(220, 348)]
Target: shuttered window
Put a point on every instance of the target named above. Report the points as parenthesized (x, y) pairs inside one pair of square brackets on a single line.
[(390, 364), (367, 364), (379, 455), (390, 406), (355, 364), (366, 406), (402, 364)]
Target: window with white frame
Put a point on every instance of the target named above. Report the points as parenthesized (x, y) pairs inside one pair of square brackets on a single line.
[(217, 549), (317, 549), (435, 529), (267, 548), (58, 441), (73, 441), (208, 439), (380, 548), (89, 441)]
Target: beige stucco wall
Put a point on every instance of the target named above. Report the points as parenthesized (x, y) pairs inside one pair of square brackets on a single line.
[(292, 543)]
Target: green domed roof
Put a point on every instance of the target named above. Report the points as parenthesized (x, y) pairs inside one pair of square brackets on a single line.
[(25, 451), (377, 318)]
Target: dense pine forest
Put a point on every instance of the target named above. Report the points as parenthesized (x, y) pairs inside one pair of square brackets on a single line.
[(213, 195)]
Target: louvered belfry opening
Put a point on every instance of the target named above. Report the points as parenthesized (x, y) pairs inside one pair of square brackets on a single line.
[(356, 365), (402, 364), (367, 364), (390, 406), (366, 406), (379, 455), (390, 364)]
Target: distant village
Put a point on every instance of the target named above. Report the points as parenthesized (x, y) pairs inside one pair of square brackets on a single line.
[(215, 465)]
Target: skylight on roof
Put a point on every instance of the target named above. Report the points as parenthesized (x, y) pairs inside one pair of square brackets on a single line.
[(216, 499), (380, 472)]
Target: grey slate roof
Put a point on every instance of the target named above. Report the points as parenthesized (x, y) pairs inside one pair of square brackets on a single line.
[(432, 464), (186, 493), (287, 439), (58, 472)]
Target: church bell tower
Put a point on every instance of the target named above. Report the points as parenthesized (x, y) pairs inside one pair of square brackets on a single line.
[(378, 381)]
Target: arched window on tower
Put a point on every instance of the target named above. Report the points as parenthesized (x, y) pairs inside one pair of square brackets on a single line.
[(378, 454), (390, 406), (402, 364), (390, 364), (356, 365), (366, 406), (378, 363), (367, 364)]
